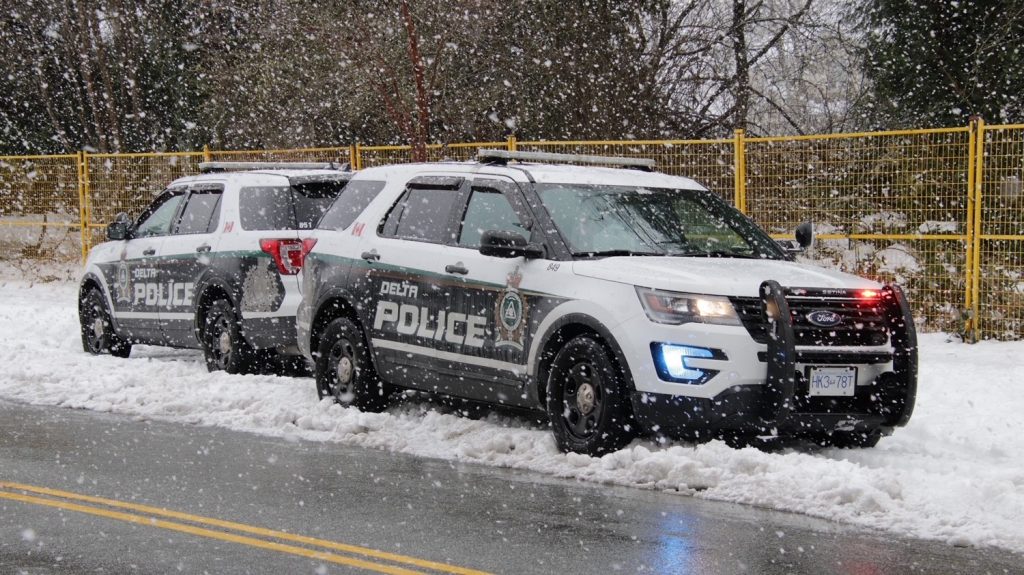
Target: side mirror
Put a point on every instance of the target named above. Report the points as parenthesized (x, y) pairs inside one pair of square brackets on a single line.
[(503, 244), (119, 228), (805, 235)]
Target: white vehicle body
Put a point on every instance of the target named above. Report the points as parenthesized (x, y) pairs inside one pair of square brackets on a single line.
[(513, 313), (222, 236)]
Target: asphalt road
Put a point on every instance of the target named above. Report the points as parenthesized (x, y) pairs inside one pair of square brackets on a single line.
[(83, 492)]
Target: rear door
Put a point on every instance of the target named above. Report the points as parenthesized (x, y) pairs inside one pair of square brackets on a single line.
[(407, 276), (186, 257)]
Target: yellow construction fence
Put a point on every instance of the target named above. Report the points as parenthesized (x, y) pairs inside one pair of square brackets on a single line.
[(939, 211)]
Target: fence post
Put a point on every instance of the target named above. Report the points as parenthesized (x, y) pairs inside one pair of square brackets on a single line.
[(968, 311), (207, 156), (975, 239), (512, 143), (740, 177), (83, 219), (357, 157)]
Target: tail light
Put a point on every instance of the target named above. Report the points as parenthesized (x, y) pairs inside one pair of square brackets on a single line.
[(288, 254)]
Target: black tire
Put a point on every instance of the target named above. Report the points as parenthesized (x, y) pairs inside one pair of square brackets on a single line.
[(587, 399), (97, 329), (345, 372), (223, 345)]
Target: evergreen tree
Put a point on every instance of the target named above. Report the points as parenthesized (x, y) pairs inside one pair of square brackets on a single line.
[(934, 64)]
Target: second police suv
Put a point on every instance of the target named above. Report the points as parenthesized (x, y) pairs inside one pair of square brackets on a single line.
[(211, 263), (620, 300)]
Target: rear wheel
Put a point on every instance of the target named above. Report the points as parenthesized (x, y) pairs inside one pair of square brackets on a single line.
[(587, 399), (344, 370), (223, 345), (97, 329)]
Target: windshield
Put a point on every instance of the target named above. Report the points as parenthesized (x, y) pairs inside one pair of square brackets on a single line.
[(629, 220)]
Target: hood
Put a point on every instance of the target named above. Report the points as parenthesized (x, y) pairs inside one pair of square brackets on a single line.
[(715, 276)]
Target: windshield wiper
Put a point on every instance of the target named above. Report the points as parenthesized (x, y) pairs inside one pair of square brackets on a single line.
[(715, 254), (612, 253)]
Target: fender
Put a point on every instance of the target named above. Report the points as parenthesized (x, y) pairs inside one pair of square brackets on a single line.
[(570, 311), (211, 279), (345, 294), (91, 275), (336, 292)]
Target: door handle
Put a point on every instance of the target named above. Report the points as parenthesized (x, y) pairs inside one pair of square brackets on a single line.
[(203, 249), (456, 269), (149, 251), (371, 256)]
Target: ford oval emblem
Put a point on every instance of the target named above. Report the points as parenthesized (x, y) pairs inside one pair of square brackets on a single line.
[(824, 318)]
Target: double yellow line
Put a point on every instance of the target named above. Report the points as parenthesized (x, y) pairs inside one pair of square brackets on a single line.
[(317, 549)]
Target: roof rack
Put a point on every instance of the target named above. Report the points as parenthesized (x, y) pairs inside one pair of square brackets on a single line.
[(214, 167), (503, 156)]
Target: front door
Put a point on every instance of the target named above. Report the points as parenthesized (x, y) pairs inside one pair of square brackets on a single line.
[(496, 289), (139, 282)]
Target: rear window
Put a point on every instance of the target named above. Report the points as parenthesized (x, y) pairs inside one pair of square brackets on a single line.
[(296, 207), (358, 194)]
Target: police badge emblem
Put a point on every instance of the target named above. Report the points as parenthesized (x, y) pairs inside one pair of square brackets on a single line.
[(124, 288), (510, 313)]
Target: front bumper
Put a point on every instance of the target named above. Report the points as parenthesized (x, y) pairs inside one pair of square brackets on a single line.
[(778, 402)]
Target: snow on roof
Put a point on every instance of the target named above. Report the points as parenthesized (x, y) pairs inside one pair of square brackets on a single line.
[(249, 176), (541, 173)]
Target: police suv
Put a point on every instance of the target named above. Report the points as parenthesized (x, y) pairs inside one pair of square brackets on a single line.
[(212, 263), (620, 300)]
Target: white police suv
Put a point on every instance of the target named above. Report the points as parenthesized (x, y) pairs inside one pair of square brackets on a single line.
[(620, 300), (211, 263)]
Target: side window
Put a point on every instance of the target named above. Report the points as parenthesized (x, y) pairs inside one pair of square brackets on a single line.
[(201, 213), (422, 214), (266, 208), (156, 221), (352, 201), (488, 209)]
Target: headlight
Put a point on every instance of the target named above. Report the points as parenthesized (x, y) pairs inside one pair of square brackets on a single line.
[(677, 308)]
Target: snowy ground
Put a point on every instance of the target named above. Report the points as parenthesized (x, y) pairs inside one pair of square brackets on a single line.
[(956, 473)]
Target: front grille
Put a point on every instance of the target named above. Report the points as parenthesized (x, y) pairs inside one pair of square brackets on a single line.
[(862, 322)]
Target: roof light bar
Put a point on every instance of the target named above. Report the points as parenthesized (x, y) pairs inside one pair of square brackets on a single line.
[(212, 167), (503, 156)]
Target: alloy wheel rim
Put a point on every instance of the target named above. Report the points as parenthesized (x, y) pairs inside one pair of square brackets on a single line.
[(95, 329), (343, 367), (220, 341), (583, 399)]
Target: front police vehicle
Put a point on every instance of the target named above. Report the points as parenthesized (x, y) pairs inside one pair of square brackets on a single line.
[(211, 263), (622, 301)]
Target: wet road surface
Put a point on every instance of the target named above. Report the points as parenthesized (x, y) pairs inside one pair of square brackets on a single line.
[(84, 492)]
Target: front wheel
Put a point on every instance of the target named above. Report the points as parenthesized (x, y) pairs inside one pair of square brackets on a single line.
[(587, 399), (344, 370), (223, 345), (97, 329)]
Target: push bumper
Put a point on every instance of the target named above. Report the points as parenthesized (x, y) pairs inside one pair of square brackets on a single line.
[(781, 404)]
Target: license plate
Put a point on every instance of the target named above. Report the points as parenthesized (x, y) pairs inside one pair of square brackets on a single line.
[(832, 381)]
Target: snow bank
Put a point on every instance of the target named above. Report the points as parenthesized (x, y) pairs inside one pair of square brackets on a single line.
[(956, 473)]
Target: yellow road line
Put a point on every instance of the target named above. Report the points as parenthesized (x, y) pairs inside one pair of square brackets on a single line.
[(163, 524), (333, 545)]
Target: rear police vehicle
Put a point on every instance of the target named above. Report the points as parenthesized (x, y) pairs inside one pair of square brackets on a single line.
[(212, 263), (620, 300)]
